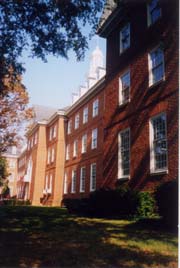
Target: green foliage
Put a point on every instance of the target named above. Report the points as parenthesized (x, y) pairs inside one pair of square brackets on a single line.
[(3, 170), (44, 27), (167, 202), (15, 202), (146, 205), (122, 202)]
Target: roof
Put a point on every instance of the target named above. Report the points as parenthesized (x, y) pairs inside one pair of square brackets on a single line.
[(43, 112)]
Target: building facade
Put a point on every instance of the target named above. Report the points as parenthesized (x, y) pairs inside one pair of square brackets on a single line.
[(141, 93), (122, 126)]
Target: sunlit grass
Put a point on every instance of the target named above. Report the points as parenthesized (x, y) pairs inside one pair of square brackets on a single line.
[(50, 237)]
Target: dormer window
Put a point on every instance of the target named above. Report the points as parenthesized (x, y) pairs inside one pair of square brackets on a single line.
[(125, 38)]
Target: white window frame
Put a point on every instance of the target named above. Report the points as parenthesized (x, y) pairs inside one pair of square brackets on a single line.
[(94, 138), (84, 144), (73, 181), (75, 148), (121, 89), (153, 168), (49, 156), (50, 133), (54, 131), (69, 126), (95, 108), (149, 17), (50, 184), (151, 68), (121, 171), (93, 178), (82, 179), (67, 151), (52, 154), (122, 37), (85, 115), (65, 183), (76, 122)]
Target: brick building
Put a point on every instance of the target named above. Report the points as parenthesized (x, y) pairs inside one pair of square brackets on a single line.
[(41, 165), (84, 132), (123, 123), (141, 93)]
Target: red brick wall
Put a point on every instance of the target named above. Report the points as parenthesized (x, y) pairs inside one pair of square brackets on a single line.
[(145, 101), (91, 156)]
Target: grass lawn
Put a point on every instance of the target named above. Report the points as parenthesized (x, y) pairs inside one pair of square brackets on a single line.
[(49, 237)]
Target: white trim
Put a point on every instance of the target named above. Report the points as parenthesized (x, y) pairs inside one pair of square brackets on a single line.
[(153, 170), (95, 110), (84, 144), (121, 50), (73, 181), (121, 102), (94, 139), (81, 177), (91, 182), (151, 83), (65, 184), (120, 171)]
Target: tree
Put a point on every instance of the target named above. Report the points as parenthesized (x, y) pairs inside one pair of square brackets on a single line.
[(42, 27), (13, 112), (3, 170)]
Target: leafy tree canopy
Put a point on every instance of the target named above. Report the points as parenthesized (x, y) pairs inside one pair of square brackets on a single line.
[(45, 27)]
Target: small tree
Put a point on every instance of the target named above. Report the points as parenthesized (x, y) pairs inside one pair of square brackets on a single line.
[(3, 170)]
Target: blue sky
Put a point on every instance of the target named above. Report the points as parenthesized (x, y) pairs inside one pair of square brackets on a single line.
[(52, 83)]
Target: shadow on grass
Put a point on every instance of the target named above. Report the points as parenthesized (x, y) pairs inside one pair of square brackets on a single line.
[(49, 237)]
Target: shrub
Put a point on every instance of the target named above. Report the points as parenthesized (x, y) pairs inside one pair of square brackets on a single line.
[(167, 202), (146, 206), (15, 202)]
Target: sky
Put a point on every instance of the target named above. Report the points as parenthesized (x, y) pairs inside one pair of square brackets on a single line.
[(52, 83)]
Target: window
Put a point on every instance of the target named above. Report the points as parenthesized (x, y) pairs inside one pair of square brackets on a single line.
[(54, 131), (50, 133), (95, 108), (154, 11), (69, 129), (125, 38), (68, 152), (93, 177), (52, 155), (73, 184), (82, 179), (84, 143), (49, 156), (76, 121), (158, 143), (50, 184), (156, 66), (65, 184), (85, 115), (124, 154), (94, 139), (124, 88), (75, 148), (46, 183)]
